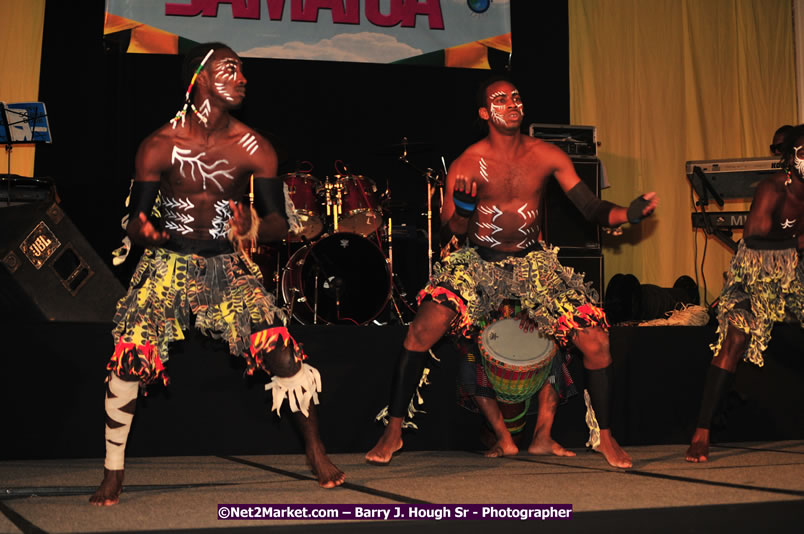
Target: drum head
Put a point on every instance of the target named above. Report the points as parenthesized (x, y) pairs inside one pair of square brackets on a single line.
[(506, 342), (343, 277)]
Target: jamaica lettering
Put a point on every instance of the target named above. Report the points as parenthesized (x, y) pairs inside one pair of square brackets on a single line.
[(342, 11)]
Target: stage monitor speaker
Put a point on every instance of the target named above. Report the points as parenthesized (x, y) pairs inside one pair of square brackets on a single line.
[(49, 271), (565, 227), (591, 265)]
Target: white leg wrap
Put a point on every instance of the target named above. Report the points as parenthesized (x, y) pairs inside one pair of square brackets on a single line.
[(121, 392), (299, 389), (591, 422)]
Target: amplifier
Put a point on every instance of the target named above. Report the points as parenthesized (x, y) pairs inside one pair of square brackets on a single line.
[(564, 225), (577, 141), (15, 189)]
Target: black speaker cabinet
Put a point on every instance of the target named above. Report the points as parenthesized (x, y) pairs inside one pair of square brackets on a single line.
[(49, 271), (565, 227), (591, 265)]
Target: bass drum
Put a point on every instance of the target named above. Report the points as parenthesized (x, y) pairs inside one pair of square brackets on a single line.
[(343, 277)]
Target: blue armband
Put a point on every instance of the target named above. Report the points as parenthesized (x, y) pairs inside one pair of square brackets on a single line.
[(465, 203)]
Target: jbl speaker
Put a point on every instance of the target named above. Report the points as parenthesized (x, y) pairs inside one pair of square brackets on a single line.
[(591, 265), (49, 271), (565, 226)]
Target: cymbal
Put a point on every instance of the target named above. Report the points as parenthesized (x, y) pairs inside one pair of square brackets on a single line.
[(411, 147), (402, 144)]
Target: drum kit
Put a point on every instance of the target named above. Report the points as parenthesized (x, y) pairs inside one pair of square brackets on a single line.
[(338, 267)]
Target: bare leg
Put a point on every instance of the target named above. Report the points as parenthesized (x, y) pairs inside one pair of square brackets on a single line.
[(388, 444), (727, 358), (505, 445), (282, 362), (594, 344), (108, 493), (430, 324), (543, 442), (328, 474)]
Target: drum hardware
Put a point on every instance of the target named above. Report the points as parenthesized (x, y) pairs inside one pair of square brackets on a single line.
[(433, 179), (304, 190), (340, 278)]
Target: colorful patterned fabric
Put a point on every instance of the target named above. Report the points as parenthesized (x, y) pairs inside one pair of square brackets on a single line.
[(762, 287), (224, 294), (555, 297)]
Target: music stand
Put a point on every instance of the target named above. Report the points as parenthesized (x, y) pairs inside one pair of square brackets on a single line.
[(22, 123)]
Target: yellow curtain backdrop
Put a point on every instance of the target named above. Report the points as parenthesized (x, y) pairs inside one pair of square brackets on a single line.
[(669, 81), (21, 24)]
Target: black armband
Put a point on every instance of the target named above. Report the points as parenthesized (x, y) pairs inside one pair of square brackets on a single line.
[(269, 197), (142, 198), (762, 243), (634, 212), (590, 206), (465, 203)]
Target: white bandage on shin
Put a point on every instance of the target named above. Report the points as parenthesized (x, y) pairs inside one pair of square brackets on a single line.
[(120, 393), (299, 389)]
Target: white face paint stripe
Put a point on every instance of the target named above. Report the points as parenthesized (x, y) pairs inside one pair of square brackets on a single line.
[(484, 173), (799, 162), (219, 86), (182, 204), (249, 142), (494, 210), (528, 216), (488, 239), (205, 108), (496, 112), (490, 226), (220, 224), (206, 170)]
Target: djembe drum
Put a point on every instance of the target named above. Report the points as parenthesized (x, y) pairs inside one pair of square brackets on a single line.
[(517, 364)]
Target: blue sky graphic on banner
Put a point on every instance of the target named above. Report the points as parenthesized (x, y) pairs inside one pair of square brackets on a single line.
[(375, 31)]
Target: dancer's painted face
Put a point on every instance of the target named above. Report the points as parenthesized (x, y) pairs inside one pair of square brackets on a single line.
[(798, 159), (226, 74), (504, 105)]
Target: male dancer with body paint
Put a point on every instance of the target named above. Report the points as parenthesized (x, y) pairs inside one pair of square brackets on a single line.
[(193, 273), (493, 193), (764, 285)]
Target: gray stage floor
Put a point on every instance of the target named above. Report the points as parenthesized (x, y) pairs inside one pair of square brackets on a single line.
[(745, 487)]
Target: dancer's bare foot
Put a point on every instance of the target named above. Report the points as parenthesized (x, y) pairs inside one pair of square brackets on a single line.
[(611, 450), (698, 451), (543, 444), (329, 476), (108, 494), (505, 446), (388, 444)]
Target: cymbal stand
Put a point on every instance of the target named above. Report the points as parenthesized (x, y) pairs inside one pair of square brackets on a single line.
[(315, 297), (390, 261), (433, 180)]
